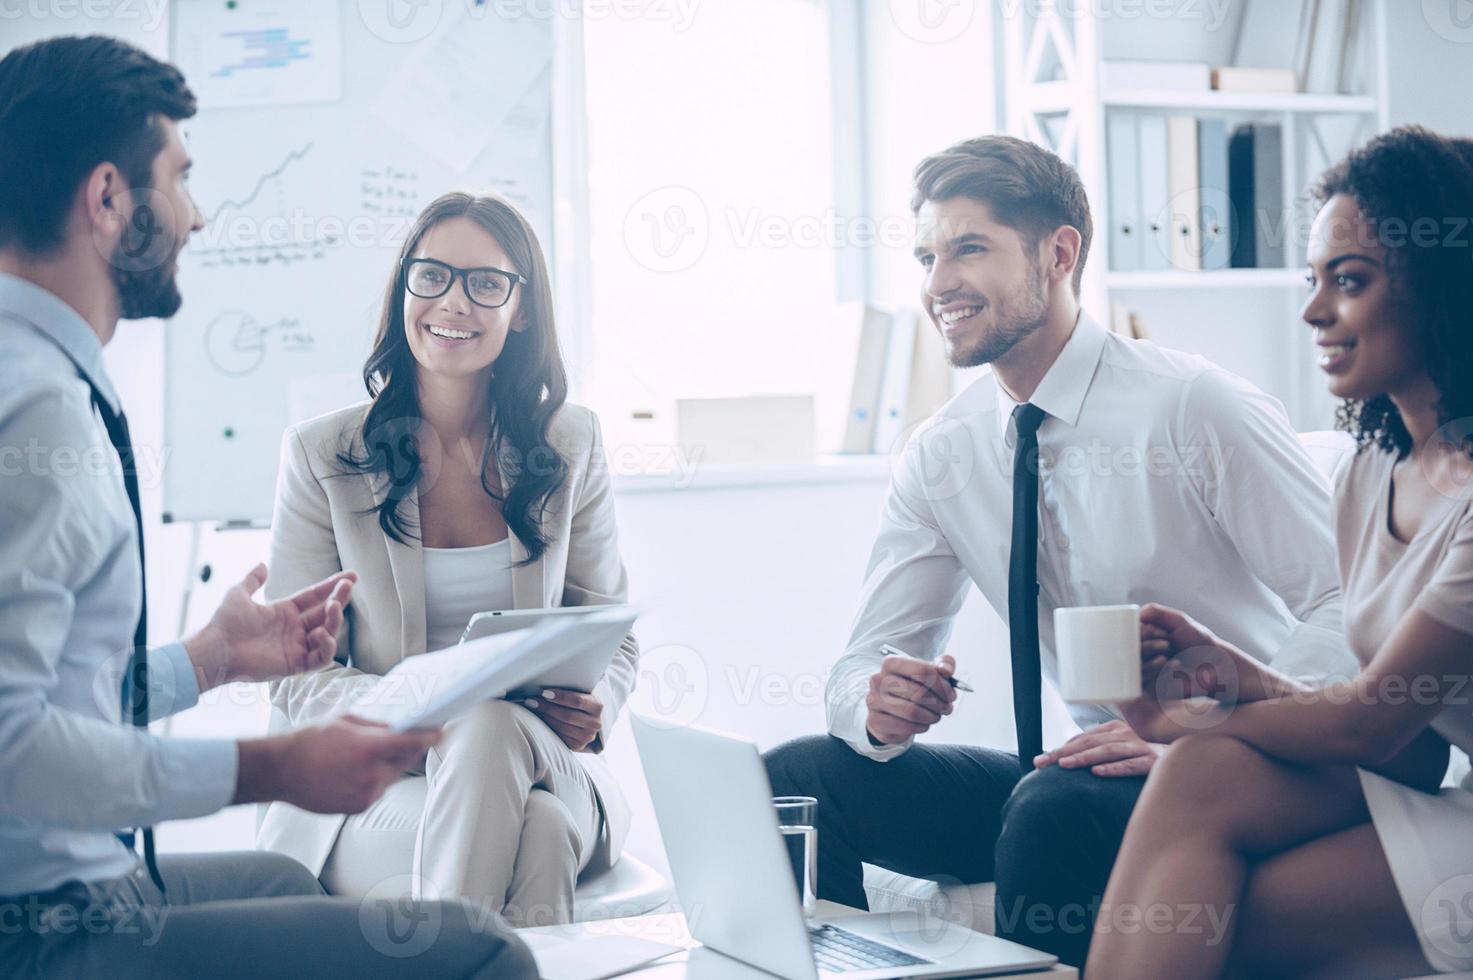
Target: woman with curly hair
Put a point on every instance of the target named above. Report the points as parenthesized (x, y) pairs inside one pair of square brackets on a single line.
[(466, 483), (1311, 826)]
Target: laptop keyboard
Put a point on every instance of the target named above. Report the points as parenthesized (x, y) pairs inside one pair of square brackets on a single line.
[(841, 951)]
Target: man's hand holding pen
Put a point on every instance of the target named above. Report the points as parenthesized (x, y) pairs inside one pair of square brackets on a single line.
[(909, 695)]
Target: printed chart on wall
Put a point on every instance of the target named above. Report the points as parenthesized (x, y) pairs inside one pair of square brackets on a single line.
[(323, 129)]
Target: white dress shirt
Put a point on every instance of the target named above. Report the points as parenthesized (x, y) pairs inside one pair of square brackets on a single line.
[(70, 583), (1163, 478)]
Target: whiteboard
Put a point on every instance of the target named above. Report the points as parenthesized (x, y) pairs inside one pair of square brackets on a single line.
[(324, 128)]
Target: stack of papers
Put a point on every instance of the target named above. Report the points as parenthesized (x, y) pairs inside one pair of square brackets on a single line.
[(430, 689)]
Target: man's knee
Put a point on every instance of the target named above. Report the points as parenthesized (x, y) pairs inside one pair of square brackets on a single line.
[(795, 768), (1061, 813), (280, 875)]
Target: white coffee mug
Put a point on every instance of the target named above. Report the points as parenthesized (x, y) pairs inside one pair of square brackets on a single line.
[(1099, 651)]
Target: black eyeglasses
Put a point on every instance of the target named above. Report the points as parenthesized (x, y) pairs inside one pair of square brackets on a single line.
[(488, 287)]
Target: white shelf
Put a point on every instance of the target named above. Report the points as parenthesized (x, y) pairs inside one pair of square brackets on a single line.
[(1061, 96), (857, 468), (1242, 101), (1219, 278)]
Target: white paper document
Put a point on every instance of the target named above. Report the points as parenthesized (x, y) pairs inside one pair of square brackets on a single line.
[(431, 688), (593, 957)]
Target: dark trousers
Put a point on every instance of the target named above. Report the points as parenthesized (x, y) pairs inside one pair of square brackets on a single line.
[(960, 814), (248, 914)]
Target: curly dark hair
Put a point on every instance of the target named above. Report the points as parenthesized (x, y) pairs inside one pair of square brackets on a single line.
[(1405, 180), (531, 386)]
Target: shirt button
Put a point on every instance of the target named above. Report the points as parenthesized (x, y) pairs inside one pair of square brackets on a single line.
[(1063, 542)]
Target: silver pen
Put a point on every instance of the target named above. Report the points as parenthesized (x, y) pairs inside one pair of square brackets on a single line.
[(896, 651)]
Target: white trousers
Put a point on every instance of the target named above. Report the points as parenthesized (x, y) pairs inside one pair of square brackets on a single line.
[(504, 816)]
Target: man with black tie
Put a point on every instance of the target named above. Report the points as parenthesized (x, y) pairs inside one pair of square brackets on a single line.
[(93, 214), (1085, 469)]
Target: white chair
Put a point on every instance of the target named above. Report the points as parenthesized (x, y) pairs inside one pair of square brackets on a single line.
[(973, 905)]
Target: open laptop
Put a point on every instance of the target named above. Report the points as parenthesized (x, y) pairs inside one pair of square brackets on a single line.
[(739, 893)]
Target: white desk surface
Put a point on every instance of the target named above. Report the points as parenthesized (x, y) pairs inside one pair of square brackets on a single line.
[(693, 961)]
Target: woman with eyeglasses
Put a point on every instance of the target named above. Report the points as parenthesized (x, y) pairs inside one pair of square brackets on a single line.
[(467, 483), (1309, 834)]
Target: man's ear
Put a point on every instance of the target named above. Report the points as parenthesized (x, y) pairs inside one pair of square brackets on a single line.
[(105, 201), (1063, 252)]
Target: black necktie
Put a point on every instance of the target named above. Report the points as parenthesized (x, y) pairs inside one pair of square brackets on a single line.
[(135, 682), (1023, 588)]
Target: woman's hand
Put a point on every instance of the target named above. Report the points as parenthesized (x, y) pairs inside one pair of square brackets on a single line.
[(576, 717), (1164, 723), (1181, 659), (1189, 677)]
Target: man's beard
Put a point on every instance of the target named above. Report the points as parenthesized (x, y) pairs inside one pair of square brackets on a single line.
[(143, 269), (1018, 316), (147, 293)]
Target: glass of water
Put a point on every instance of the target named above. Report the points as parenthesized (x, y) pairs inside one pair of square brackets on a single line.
[(797, 818)]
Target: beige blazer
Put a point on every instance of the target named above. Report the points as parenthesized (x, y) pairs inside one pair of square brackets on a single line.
[(324, 523)]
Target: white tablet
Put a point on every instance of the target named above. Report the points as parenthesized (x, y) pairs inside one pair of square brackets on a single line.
[(582, 669)]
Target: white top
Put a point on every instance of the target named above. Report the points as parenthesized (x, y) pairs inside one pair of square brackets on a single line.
[(1163, 478), (460, 582)]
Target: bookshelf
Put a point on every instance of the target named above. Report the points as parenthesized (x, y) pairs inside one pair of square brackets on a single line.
[(1054, 94)]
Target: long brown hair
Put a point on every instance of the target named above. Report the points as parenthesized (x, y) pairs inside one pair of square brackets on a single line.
[(530, 386)]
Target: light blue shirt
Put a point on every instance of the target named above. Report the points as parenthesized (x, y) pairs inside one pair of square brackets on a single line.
[(71, 772)]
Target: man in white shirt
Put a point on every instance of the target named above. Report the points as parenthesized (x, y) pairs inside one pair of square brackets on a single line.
[(1157, 477), (93, 213)]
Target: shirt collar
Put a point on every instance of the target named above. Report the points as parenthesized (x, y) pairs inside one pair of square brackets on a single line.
[(53, 319), (1062, 390)]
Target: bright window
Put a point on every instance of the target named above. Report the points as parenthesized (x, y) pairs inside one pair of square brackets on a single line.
[(713, 217)]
